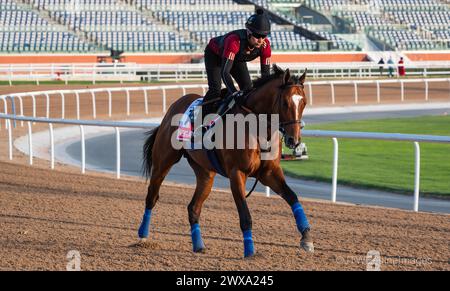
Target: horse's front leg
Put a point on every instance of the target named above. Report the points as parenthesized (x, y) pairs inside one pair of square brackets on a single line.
[(275, 180), (237, 183)]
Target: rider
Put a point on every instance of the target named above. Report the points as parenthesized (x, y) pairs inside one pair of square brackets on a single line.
[(226, 56)]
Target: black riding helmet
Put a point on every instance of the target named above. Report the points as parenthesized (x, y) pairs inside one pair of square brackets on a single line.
[(258, 23)]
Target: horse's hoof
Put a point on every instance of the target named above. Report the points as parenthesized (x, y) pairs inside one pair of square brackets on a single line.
[(200, 250), (307, 246), (142, 240), (249, 256), (307, 242)]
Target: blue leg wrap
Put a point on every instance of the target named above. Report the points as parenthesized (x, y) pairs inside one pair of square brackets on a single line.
[(196, 235), (300, 217), (145, 224), (249, 248)]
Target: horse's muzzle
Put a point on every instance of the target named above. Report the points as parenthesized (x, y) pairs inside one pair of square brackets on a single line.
[(290, 142)]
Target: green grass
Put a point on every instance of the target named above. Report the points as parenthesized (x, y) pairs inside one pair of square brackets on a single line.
[(380, 164)]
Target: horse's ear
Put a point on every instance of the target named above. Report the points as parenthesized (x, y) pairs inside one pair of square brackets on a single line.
[(277, 70), (303, 77), (287, 76)]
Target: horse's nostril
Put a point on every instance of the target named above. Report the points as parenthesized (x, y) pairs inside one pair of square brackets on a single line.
[(290, 141)]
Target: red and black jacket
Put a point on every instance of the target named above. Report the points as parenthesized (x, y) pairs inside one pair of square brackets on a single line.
[(233, 47)]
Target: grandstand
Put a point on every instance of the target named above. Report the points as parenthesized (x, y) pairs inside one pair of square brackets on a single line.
[(26, 31), (88, 26)]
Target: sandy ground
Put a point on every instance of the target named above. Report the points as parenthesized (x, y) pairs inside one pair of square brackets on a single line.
[(45, 214)]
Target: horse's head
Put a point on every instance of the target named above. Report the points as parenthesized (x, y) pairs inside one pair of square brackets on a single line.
[(284, 96), (291, 103)]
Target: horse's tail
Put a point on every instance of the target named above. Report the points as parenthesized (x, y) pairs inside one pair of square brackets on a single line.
[(147, 152)]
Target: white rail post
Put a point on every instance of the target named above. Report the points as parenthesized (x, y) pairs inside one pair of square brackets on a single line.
[(204, 90), (145, 101), (267, 191), (378, 92), (63, 105), (109, 103), (426, 90), (30, 144), (355, 84), (94, 107), (333, 100), (52, 146), (184, 90), (83, 151), (402, 87), (117, 153), (10, 148), (78, 104), (164, 100), (416, 176), (335, 169), (128, 102), (47, 105), (33, 98), (310, 94), (5, 109)]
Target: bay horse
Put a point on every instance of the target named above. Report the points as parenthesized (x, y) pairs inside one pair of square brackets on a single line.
[(279, 93)]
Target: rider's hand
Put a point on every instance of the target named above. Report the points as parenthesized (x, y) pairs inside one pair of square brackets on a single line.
[(238, 93), (238, 96)]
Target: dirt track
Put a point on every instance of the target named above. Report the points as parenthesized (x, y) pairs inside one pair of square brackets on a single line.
[(44, 214)]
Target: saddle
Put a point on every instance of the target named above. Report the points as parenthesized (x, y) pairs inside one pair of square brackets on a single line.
[(220, 104), (186, 134)]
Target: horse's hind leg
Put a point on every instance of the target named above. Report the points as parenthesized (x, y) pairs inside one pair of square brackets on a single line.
[(162, 163), (205, 180)]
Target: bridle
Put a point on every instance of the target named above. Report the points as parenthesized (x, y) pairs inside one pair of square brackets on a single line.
[(281, 124), (289, 122), (278, 100)]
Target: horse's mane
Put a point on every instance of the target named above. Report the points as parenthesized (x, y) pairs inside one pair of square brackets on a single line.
[(277, 72)]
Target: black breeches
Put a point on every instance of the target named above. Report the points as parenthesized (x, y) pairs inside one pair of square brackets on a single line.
[(213, 64)]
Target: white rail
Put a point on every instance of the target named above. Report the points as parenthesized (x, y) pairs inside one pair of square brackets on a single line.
[(94, 72), (163, 89), (92, 92), (307, 133)]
